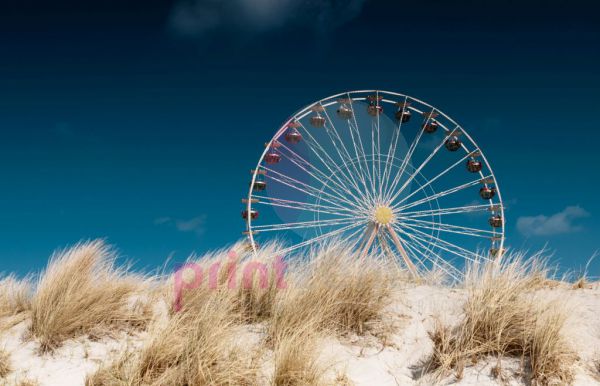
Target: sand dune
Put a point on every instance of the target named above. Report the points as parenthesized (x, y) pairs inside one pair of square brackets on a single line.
[(337, 320)]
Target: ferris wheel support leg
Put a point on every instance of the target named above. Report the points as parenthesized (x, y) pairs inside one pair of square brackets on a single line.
[(369, 241), (409, 264)]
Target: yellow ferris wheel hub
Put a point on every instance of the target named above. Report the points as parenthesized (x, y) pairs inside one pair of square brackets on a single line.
[(383, 215)]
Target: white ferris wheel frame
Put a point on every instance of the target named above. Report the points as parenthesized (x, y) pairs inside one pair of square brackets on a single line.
[(497, 207)]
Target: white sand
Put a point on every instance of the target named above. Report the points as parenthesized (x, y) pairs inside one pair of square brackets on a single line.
[(364, 360)]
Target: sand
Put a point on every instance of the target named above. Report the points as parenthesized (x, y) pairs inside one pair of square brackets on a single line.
[(363, 360)]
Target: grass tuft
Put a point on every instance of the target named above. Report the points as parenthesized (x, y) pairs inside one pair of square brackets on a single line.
[(191, 348), (296, 359), (5, 365), (15, 296), (503, 317), (27, 382), (82, 292), (337, 291)]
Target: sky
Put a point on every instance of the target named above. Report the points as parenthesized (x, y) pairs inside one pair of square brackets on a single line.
[(138, 121)]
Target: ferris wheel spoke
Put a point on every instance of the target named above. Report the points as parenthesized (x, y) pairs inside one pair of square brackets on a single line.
[(416, 171), (467, 231), (317, 149), (362, 173), (443, 244), (435, 259), (330, 127), (351, 240), (340, 207), (304, 206), (340, 176), (384, 245), (322, 237), (440, 194), (345, 160), (432, 180), (303, 224), (389, 162), (393, 146), (310, 190), (439, 262), (299, 161), (379, 150), (373, 164), (407, 158), (443, 211), (367, 172), (288, 181), (416, 253)]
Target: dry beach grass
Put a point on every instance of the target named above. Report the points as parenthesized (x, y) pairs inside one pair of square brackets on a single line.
[(335, 292), (262, 332), (83, 292), (197, 344), (15, 296), (504, 317), (5, 366)]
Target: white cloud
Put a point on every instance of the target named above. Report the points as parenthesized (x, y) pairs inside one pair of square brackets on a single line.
[(558, 223), (196, 18), (162, 220), (194, 224)]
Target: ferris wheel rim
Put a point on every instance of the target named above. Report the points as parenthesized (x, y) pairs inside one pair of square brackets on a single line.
[(331, 100)]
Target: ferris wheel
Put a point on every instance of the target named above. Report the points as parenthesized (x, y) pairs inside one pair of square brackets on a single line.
[(381, 172)]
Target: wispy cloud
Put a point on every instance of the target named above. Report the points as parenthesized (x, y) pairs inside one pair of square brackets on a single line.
[(197, 18), (193, 225), (558, 223)]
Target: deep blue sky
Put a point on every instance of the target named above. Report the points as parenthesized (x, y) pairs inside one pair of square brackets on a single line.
[(138, 121)]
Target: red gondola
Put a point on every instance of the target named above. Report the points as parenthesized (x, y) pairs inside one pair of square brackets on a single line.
[(487, 193), (293, 136), (253, 214), (272, 157), (453, 143), (403, 115), (259, 186), (496, 221), (317, 121), (344, 112), (474, 166), (430, 127)]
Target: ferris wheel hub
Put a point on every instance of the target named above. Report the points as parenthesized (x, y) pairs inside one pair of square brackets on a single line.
[(383, 215)]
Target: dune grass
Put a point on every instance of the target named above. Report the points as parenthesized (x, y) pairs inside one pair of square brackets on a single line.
[(15, 295), (196, 344), (331, 293), (251, 281), (335, 291), (192, 348), (82, 292), (5, 365), (296, 359), (504, 317), (15, 301), (261, 279), (27, 382)]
